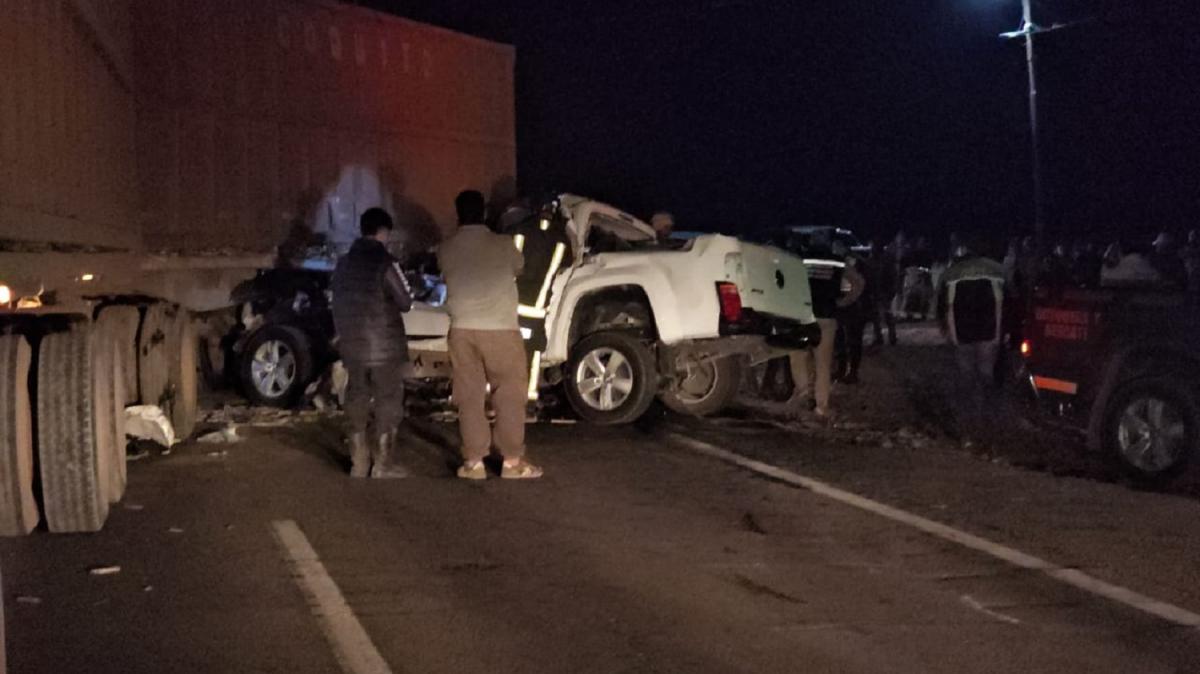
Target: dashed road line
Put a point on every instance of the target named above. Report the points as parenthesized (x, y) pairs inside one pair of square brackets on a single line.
[(352, 647), (1072, 577)]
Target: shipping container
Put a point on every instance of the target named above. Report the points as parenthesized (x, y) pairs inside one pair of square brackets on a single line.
[(253, 115)]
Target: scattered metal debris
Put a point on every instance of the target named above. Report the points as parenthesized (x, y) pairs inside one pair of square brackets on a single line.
[(228, 434)]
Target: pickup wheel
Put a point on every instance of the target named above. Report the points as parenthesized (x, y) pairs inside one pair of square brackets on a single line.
[(705, 386), (1151, 428), (276, 365), (610, 378), (71, 448), (18, 509)]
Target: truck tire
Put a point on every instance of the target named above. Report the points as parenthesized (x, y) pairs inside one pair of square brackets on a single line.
[(113, 330), (276, 365), (68, 449), (153, 362), (18, 509), (610, 378), (182, 376), (123, 321), (708, 387), (104, 419), (1152, 429)]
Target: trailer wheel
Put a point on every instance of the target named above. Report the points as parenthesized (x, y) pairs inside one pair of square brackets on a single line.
[(114, 329), (122, 321), (68, 451), (104, 421), (182, 376), (18, 509), (153, 368)]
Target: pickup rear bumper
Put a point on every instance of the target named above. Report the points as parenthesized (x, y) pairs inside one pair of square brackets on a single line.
[(780, 333)]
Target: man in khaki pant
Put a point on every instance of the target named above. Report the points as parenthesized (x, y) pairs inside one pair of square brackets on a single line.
[(827, 272), (480, 268)]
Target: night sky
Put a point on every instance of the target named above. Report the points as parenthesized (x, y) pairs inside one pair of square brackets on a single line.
[(742, 114)]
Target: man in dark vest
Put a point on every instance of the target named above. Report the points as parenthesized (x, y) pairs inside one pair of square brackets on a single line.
[(369, 296)]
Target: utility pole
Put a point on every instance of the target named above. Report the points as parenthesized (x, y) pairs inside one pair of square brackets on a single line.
[(1039, 203), (1028, 30)]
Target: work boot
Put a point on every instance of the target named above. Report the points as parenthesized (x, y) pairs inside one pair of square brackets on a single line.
[(360, 455), (383, 464)]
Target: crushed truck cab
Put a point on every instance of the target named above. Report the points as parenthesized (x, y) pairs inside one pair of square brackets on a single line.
[(626, 318)]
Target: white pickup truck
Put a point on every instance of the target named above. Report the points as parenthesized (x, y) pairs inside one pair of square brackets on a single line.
[(621, 318)]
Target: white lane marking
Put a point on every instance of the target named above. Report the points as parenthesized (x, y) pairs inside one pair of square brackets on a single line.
[(351, 646), (1073, 577), (972, 602)]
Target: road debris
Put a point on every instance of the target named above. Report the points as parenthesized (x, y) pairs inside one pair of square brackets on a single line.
[(219, 453), (147, 422), (28, 599), (104, 570), (228, 434), (175, 530), (246, 416), (134, 506)]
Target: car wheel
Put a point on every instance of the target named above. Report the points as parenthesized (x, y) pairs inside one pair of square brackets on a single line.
[(705, 386), (610, 378), (1151, 428), (276, 365)]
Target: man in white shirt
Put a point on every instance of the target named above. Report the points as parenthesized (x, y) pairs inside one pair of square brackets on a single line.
[(480, 268)]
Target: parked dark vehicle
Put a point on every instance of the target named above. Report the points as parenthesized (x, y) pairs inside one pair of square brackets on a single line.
[(1124, 364), (287, 334)]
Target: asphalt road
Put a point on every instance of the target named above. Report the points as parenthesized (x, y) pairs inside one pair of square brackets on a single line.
[(634, 554)]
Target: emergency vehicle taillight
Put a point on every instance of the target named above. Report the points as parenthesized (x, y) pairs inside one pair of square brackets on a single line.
[(1026, 347), (731, 302)]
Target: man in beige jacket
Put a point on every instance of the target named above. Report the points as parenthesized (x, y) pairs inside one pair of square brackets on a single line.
[(480, 268)]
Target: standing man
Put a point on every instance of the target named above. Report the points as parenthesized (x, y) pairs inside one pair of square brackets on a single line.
[(369, 296), (826, 273), (971, 312), (480, 268), (881, 280)]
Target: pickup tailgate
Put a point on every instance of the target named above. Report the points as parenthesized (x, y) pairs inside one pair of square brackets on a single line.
[(773, 282), (1062, 338)]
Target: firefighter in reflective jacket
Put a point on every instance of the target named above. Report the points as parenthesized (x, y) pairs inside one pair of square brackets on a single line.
[(543, 240)]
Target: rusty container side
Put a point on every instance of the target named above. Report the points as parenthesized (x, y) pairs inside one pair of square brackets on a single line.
[(254, 118), (67, 164)]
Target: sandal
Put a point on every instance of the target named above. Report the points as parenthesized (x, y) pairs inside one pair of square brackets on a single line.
[(472, 470), (521, 470)]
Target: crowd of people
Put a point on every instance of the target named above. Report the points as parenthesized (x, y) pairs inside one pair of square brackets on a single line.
[(975, 288)]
